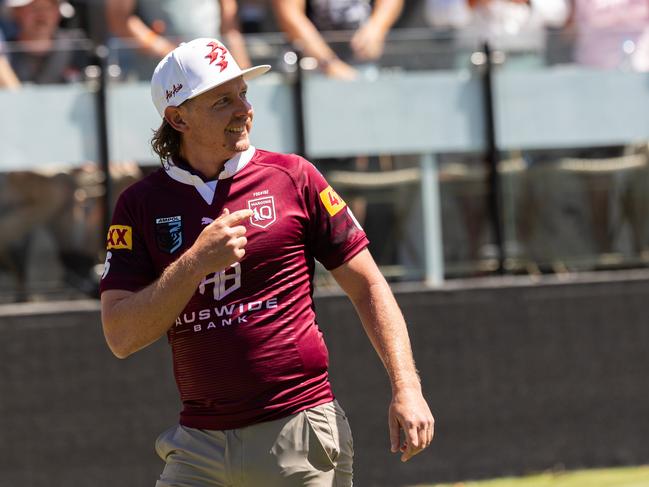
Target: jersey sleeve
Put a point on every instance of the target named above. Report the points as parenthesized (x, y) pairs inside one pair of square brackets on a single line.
[(128, 265), (334, 235)]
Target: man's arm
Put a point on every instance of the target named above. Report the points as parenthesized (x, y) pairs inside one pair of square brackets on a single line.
[(231, 32), (123, 23), (291, 16), (369, 40), (8, 78), (133, 320), (383, 322)]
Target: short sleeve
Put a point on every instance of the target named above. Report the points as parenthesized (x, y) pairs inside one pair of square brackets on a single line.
[(334, 235), (128, 265)]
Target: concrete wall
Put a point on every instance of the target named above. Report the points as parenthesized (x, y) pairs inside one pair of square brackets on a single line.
[(520, 377)]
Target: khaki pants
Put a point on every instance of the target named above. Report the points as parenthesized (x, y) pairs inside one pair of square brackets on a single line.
[(312, 448)]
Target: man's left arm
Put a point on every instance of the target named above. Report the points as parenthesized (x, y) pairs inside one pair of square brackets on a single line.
[(385, 326), (369, 40), (231, 32)]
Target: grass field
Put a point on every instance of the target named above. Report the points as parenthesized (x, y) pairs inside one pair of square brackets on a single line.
[(614, 477)]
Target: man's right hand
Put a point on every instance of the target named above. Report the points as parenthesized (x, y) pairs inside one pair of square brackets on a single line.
[(132, 320), (221, 243), (340, 70)]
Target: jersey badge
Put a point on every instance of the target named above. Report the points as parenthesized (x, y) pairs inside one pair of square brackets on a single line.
[(332, 202), (169, 233), (263, 211), (119, 237)]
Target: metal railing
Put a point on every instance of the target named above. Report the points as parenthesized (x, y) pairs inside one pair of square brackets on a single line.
[(485, 141)]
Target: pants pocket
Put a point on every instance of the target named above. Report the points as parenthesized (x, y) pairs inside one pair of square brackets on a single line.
[(323, 449), (330, 430), (161, 442)]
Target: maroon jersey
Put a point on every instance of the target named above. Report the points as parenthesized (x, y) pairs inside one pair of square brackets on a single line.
[(247, 347)]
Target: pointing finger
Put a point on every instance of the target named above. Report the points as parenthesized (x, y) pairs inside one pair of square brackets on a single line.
[(236, 216)]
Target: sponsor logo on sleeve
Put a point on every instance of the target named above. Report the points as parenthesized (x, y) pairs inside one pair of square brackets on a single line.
[(119, 237), (169, 233), (332, 202), (263, 211)]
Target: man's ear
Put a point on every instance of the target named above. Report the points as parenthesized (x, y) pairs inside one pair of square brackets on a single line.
[(174, 117)]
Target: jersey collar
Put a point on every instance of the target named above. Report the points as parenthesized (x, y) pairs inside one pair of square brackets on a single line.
[(208, 189)]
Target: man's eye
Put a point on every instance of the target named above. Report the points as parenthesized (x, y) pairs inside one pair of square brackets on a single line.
[(221, 101)]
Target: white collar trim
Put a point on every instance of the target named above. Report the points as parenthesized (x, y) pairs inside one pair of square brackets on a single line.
[(207, 190)]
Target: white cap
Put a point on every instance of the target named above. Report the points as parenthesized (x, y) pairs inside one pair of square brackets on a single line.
[(17, 3), (193, 68)]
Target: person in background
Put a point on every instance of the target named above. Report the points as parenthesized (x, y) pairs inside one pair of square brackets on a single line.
[(45, 53), (8, 78), (303, 22), (614, 36), (515, 26), (59, 198), (157, 26), (610, 34), (361, 29), (41, 53)]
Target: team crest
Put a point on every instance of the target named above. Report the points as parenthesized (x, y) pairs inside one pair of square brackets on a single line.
[(263, 212), (169, 233)]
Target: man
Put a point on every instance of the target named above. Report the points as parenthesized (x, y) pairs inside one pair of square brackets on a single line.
[(37, 196), (8, 78), (157, 26), (217, 251), (47, 53), (303, 21)]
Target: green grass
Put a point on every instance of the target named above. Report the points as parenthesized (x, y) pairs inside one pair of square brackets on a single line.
[(614, 477)]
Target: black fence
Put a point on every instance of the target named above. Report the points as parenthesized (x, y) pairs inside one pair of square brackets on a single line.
[(521, 377)]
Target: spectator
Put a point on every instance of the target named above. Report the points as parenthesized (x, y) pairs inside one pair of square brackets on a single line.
[(46, 54), (303, 21), (49, 198), (158, 26), (8, 78), (611, 34), (515, 26)]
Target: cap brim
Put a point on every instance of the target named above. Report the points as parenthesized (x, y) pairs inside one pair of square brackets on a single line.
[(247, 74), (17, 3)]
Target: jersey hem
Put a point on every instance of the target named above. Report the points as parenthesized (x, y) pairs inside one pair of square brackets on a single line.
[(211, 423)]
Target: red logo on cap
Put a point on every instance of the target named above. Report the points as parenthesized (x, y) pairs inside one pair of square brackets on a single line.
[(174, 89), (217, 53)]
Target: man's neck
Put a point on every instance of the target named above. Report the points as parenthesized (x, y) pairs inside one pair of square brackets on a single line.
[(205, 176), (207, 168)]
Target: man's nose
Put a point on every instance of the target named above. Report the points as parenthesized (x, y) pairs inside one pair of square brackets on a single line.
[(243, 106)]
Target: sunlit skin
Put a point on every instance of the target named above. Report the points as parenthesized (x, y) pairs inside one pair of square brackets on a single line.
[(215, 126)]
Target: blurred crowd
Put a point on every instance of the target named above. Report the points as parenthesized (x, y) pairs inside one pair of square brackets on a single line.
[(41, 40), (52, 42)]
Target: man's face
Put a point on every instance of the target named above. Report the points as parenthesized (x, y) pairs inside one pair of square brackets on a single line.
[(38, 20), (219, 120)]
